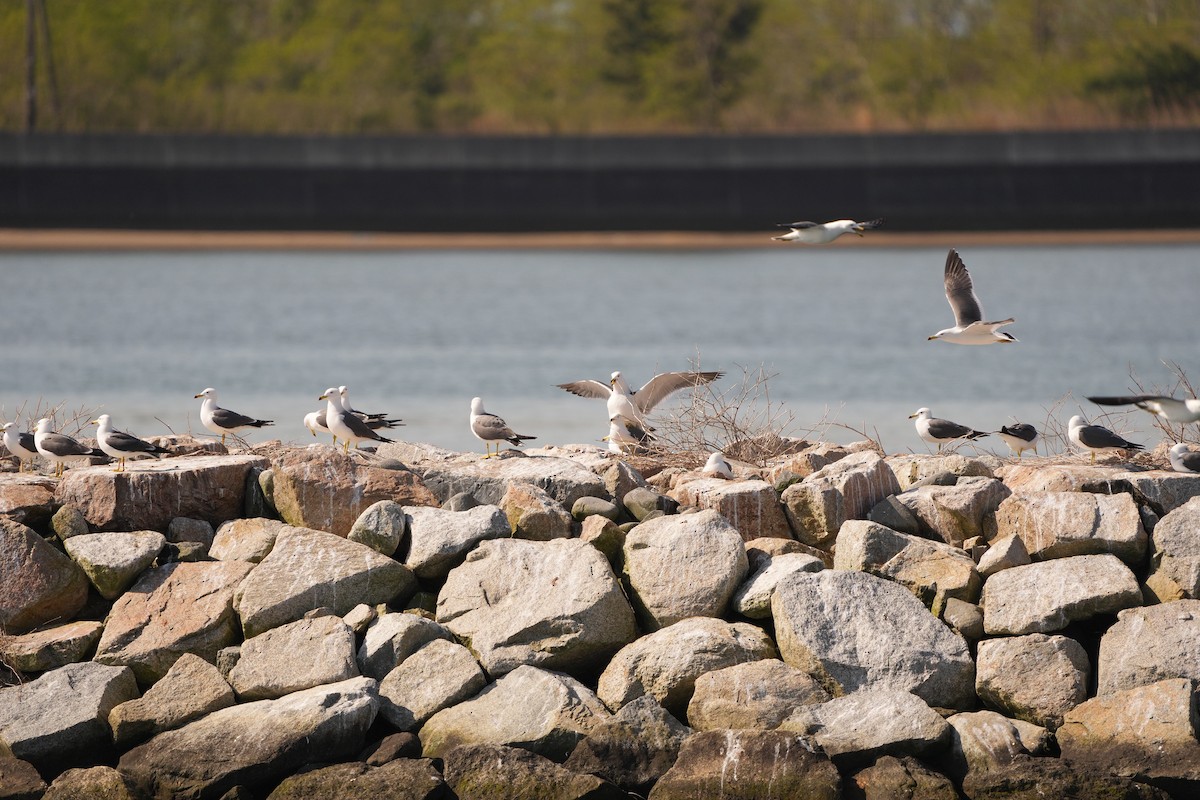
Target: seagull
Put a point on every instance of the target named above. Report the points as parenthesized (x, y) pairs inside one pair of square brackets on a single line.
[(121, 446), (718, 467), (376, 421), (823, 233), (634, 406), (1184, 459), (57, 447), (968, 314), (489, 428), (316, 423), (19, 444), (344, 424), (1020, 437), (1169, 408), (625, 436), (939, 431), (1096, 437), (222, 420)]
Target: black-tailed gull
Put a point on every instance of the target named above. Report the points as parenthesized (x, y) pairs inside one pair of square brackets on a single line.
[(1096, 438), (1020, 437), (121, 445), (489, 428), (20, 444), (626, 437), (345, 425), (633, 406), (939, 431), (968, 313), (222, 420), (1169, 408), (374, 421), (718, 467), (1183, 459), (58, 447), (824, 232)]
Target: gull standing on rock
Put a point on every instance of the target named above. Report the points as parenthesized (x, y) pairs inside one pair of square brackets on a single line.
[(222, 420), (1096, 438), (718, 467), (939, 431), (19, 444), (344, 424), (120, 445), (626, 437), (1020, 437), (374, 421), (57, 447), (1168, 408), (634, 406), (1183, 459), (824, 232), (968, 313), (489, 428)]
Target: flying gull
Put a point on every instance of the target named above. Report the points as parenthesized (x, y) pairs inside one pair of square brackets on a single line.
[(1096, 438), (634, 406), (120, 445), (489, 428), (968, 314), (939, 431), (1183, 459), (823, 233), (626, 437), (1169, 408), (344, 424), (222, 420), (57, 447), (718, 467), (1020, 437), (19, 444)]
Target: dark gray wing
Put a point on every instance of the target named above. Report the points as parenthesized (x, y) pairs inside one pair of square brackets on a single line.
[(490, 427), (1098, 436), (61, 445), (960, 292), (657, 388), (1022, 430), (1130, 400), (588, 388), (797, 225), (361, 429), (321, 422), (375, 423), (1190, 461), (26, 440), (128, 443), (945, 429), (230, 420)]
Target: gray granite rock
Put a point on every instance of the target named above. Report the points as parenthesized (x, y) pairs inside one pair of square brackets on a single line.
[(439, 675), (391, 638), (480, 771), (50, 648), (38, 583), (955, 513), (246, 539), (753, 598), (439, 539), (751, 506), (191, 689), (1036, 677), (113, 561), (755, 695), (1176, 548), (846, 489), (1150, 644), (633, 748), (1062, 524), (295, 656), (533, 513), (381, 527)]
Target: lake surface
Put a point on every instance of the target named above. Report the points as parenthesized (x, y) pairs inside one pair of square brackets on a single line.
[(840, 330)]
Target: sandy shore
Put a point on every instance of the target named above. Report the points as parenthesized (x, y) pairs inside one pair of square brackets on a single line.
[(12, 239)]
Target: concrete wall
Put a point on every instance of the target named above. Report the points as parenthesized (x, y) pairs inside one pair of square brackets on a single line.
[(918, 182)]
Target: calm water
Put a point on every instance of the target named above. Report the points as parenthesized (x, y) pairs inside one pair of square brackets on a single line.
[(418, 333)]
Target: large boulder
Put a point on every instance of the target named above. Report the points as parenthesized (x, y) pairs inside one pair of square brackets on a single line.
[(439, 675), (1062, 524), (817, 506), (173, 609), (38, 583), (1046, 596), (391, 638), (325, 489), (913, 468), (1028, 778), (92, 783), (666, 664), (1176, 548), (401, 779), (113, 561), (753, 598), (50, 648), (149, 496), (439, 539), (248, 539), (485, 771), (62, 717), (1033, 478), (1036, 677), (554, 604), (683, 566), (633, 748), (545, 712), (983, 741), (295, 656), (1150, 644), (855, 631), (954, 513), (757, 694), (19, 780), (1162, 491), (27, 499), (751, 506), (254, 744), (381, 527), (308, 569), (191, 688), (533, 513), (891, 778)]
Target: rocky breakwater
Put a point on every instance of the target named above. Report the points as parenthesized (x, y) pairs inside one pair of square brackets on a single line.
[(414, 623)]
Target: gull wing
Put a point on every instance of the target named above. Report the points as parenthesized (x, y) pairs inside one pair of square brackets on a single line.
[(657, 388), (224, 418), (1099, 436), (128, 443), (798, 226), (587, 388), (960, 292), (945, 429), (491, 427), (62, 445)]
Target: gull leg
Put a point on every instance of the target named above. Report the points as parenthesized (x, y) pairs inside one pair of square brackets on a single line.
[(222, 439)]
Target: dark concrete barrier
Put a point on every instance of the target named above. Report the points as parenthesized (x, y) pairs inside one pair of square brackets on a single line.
[(918, 182)]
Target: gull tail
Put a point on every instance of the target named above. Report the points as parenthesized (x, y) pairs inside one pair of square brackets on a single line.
[(518, 438), (260, 423), (978, 434)]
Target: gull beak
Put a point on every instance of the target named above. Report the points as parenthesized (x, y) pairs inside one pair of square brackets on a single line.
[(197, 397), (912, 416), (604, 438), (323, 397), (94, 422), (931, 338)]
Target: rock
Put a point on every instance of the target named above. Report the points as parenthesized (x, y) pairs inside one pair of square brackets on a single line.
[(191, 688), (633, 748), (1147, 645), (966, 618), (1005, 552), (983, 741), (758, 695), (891, 512), (393, 638), (533, 514), (846, 489), (753, 597), (486, 771), (254, 744), (913, 468), (586, 507), (1176, 548), (1162, 491), (854, 631), (747, 765), (211, 488), (892, 778), (551, 604), (602, 534), (326, 490), (544, 712), (1147, 733), (95, 783), (643, 501), (462, 501), (1046, 596), (27, 499), (665, 664), (403, 779), (182, 551), (359, 618), (308, 569), (390, 748), (61, 718), (751, 506), (68, 521), (19, 780), (953, 514), (1063, 524), (1028, 778), (50, 648), (439, 539), (38, 583), (381, 527), (931, 570), (245, 539), (172, 610), (295, 656), (683, 566), (1037, 678), (113, 561), (437, 676), (759, 550), (186, 529), (620, 479), (1032, 478)]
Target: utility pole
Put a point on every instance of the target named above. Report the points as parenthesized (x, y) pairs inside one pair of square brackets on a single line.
[(30, 66)]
